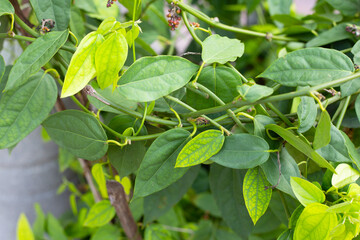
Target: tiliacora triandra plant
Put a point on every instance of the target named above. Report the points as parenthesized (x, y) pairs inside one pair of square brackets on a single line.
[(246, 132)]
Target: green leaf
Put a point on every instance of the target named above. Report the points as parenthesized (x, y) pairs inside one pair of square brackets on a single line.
[(65, 159), (108, 232), (39, 223), (220, 80), (78, 132), (100, 214), (150, 78), (34, 57), (346, 7), (132, 34), (307, 112), (217, 49), (344, 175), (159, 203), (158, 232), (6, 8), (24, 231), (206, 202), (354, 155), (345, 207), (25, 107), (110, 58), (127, 160), (335, 34), (300, 145), (310, 66), (82, 65), (252, 93), (286, 235), (279, 6), (200, 148), (356, 51), (295, 216), (306, 192), (77, 24), (97, 172), (336, 150), (242, 151), (350, 87), (315, 223), (226, 186), (256, 196), (289, 168), (157, 170), (54, 228), (322, 134), (57, 10)]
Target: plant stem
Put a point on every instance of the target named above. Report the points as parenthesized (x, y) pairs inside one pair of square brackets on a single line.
[(219, 25), (219, 101), (194, 110), (343, 111), (26, 27), (280, 114), (190, 29), (276, 98), (237, 71)]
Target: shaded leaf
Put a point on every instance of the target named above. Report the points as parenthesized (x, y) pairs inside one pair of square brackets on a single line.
[(252, 93), (322, 134), (6, 8), (307, 112), (356, 51), (335, 34), (346, 7)]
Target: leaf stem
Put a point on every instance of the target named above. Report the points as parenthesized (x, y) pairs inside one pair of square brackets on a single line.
[(343, 111), (276, 98), (24, 26), (190, 29), (171, 98), (280, 114)]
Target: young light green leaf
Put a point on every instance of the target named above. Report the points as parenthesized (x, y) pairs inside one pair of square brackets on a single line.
[(150, 78), (157, 204), (200, 148), (300, 145), (336, 150), (345, 175), (252, 93), (315, 223), (100, 214), (356, 51), (82, 65), (106, 25), (34, 57), (256, 196), (226, 186), (347, 7), (6, 8), (25, 107), (354, 191), (24, 231), (57, 10), (322, 133), (110, 58), (306, 192), (221, 49), (310, 66), (306, 112), (242, 151), (132, 34), (97, 172), (78, 132), (345, 207), (157, 170)]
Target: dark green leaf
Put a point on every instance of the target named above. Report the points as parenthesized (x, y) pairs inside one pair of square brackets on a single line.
[(200, 148), (23, 108), (34, 57), (76, 23), (150, 78), (322, 134), (78, 132), (257, 197), (4, 79), (310, 66), (206, 202), (350, 87), (335, 34), (157, 170), (220, 80), (286, 235), (289, 169), (346, 7), (217, 49), (159, 203), (242, 151), (336, 150), (300, 145), (57, 10), (39, 223), (307, 112), (6, 7), (226, 186)]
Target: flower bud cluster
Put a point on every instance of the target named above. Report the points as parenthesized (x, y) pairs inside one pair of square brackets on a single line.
[(110, 3), (195, 25), (174, 16), (353, 29)]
